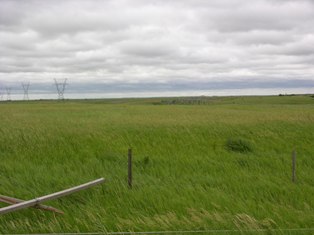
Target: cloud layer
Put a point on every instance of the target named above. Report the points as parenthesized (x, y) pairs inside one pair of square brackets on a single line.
[(164, 42)]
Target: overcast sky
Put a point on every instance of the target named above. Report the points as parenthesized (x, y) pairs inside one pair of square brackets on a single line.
[(173, 44)]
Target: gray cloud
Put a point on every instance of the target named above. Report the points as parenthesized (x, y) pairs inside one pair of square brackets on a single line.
[(152, 42)]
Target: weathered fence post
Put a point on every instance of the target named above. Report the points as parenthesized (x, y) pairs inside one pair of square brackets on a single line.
[(293, 166), (130, 167)]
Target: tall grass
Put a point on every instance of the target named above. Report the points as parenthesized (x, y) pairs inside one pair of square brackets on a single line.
[(184, 176)]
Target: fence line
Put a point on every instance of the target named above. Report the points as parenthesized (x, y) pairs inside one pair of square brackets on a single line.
[(185, 231)]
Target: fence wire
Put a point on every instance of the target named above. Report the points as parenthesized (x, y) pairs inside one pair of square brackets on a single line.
[(186, 232)]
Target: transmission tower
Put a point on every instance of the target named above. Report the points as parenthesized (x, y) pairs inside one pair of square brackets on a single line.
[(61, 88), (8, 90), (26, 88)]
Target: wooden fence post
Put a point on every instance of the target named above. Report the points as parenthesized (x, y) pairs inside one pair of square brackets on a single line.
[(130, 167), (293, 166)]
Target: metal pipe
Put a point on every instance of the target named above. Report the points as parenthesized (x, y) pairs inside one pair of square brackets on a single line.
[(48, 197), (12, 200)]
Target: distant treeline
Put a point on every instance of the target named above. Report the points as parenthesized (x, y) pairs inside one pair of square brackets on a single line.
[(287, 94), (185, 101), (297, 95)]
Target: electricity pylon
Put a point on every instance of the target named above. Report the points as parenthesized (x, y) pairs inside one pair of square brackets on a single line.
[(26, 88), (8, 90), (61, 88)]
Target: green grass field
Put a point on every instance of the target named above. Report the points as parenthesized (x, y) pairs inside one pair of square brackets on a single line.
[(185, 176)]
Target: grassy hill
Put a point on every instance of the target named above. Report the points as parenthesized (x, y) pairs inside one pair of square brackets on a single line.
[(199, 163)]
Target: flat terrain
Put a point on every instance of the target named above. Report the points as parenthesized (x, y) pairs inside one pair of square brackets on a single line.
[(199, 163)]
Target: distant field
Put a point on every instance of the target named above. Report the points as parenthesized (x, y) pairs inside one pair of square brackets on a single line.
[(220, 163)]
